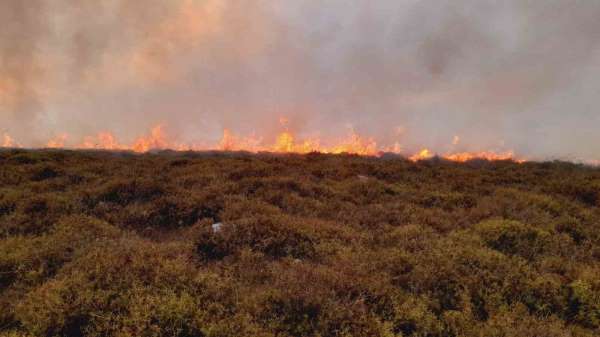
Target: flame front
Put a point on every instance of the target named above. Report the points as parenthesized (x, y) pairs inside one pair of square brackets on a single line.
[(231, 142), (58, 141), (102, 141), (285, 142), (8, 141), (155, 141), (422, 155), (488, 155)]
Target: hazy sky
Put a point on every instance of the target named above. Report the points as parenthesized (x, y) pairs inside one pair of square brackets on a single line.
[(511, 74)]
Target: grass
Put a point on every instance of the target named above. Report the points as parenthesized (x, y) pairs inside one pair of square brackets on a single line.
[(116, 244)]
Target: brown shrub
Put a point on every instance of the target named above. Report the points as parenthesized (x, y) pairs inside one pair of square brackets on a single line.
[(119, 244), (275, 237)]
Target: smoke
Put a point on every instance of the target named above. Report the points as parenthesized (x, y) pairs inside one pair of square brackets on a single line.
[(522, 75), (22, 26)]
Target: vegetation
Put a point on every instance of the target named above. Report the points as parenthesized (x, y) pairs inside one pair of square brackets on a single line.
[(233, 244)]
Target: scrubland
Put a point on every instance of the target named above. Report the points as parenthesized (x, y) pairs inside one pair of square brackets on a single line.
[(117, 244)]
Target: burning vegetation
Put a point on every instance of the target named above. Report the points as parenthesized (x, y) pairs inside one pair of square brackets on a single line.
[(101, 243), (286, 142)]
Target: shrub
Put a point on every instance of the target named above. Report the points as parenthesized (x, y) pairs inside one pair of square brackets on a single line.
[(118, 244), (514, 238), (584, 304), (45, 172), (121, 287), (127, 191), (275, 237)]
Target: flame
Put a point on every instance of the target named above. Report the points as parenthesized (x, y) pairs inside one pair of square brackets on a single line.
[(58, 141), (228, 141), (231, 142), (285, 142), (422, 155), (155, 141), (355, 144), (395, 148), (103, 140), (8, 141), (488, 155)]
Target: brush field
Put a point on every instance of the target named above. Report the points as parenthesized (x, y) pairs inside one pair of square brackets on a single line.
[(234, 244)]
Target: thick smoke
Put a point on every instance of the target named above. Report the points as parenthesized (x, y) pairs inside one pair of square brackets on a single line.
[(514, 74), (23, 24)]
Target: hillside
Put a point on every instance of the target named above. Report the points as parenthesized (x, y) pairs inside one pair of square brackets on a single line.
[(234, 244)]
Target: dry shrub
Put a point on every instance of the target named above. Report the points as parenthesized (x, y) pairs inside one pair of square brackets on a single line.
[(119, 244), (276, 237), (515, 238)]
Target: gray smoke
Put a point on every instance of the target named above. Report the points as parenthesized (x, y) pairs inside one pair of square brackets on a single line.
[(23, 25), (514, 74)]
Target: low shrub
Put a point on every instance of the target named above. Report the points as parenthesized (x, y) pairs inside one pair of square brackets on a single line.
[(97, 243), (276, 237), (515, 238)]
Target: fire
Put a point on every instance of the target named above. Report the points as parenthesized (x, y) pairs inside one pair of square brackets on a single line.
[(103, 141), (228, 141), (285, 142), (8, 141), (355, 144), (156, 140), (422, 155), (58, 141), (395, 148), (231, 142), (466, 156)]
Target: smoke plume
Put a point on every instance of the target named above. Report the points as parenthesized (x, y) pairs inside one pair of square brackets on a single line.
[(466, 75)]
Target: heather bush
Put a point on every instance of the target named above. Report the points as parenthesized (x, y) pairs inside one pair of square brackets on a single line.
[(234, 244), (274, 236)]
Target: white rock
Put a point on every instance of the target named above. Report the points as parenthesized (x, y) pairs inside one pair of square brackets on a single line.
[(217, 227)]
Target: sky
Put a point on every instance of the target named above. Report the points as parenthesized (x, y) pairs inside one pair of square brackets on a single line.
[(463, 75)]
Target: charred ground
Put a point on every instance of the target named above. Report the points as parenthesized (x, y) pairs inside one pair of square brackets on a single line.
[(116, 244)]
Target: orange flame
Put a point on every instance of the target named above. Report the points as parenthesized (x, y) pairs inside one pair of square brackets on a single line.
[(422, 155), (103, 141), (155, 141), (58, 141), (285, 142), (355, 144), (8, 141), (488, 155), (231, 142)]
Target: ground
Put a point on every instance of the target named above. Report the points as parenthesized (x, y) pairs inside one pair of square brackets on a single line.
[(118, 244)]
